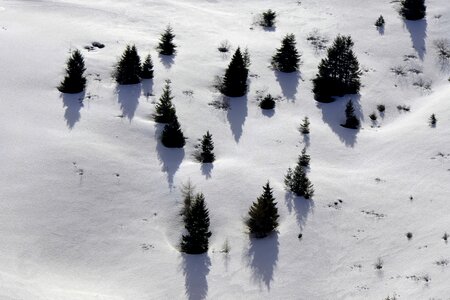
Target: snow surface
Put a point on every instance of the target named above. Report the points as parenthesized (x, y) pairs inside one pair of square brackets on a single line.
[(90, 199)]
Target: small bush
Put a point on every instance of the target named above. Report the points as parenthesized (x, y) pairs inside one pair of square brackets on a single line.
[(379, 264), (445, 237), (224, 46), (268, 102), (381, 108), (432, 120), (409, 235), (373, 116), (304, 127), (403, 107)]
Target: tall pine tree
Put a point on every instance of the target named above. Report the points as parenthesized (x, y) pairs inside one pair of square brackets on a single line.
[(263, 214), (74, 81), (147, 68), (413, 9), (165, 111), (128, 69), (166, 45), (339, 72), (234, 83), (287, 58), (196, 222), (207, 147)]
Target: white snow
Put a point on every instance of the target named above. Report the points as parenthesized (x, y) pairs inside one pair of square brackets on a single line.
[(90, 199)]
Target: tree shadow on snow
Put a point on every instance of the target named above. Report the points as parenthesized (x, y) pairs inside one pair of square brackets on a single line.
[(236, 115), (288, 83), (147, 88), (128, 98), (301, 206), (207, 169), (195, 270), (380, 30), (268, 112), (170, 158), (73, 104), (418, 31), (167, 60), (333, 114), (262, 257)]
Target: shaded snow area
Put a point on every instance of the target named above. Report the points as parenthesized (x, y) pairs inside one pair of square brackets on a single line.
[(91, 199)]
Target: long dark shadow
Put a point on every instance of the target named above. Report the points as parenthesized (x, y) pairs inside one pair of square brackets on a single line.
[(195, 270), (418, 32), (167, 60), (302, 208), (147, 88), (288, 83), (73, 104), (128, 98), (236, 115)]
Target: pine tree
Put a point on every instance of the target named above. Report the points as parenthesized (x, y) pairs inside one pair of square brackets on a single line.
[(339, 72), (263, 214), (304, 127), (380, 22), (165, 111), (128, 69), (304, 159), (433, 120), (287, 58), (74, 81), (207, 147), (297, 182), (147, 68), (413, 9), (351, 121), (196, 222), (234, 83), (268, 102), (166, 45), (268, 18), (172, 136)]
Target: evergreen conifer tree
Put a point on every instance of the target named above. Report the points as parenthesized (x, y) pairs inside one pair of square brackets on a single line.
[(74, 81), (297, 182), (147, 68), (413, 9), (351, 121), (263, 214), (268, 102), (128, 69), (304, 159), (287, 58), (339, 72), (165, 111), (268, 18), (234, 83), (196, 222), (166, 45), (380, 21), (207, 147), (304, 127), (172, 136), (433, 120)]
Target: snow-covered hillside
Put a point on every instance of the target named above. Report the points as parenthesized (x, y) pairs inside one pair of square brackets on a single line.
[(90, 199)]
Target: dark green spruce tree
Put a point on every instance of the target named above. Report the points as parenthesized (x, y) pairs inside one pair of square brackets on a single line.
[(147, 68), (351, 121), (164, 109), (287, 59), (234, 83), (172, 136), (166, 45), (74, 81), (196, 222), (263, 214), (413, 9), (304, 159), (339, 72), (297, 182), (207, 148), (128, 69)]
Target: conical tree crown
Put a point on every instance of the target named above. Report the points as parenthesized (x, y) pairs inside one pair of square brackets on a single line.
[(287, 58), (304, 159), (165, 111), (234, 82), (128, 69), (147, 68), (172, 136), (74, 81), (166, 45), (297, 182), (413, 9), (263, 214), (196, 221), (207, 147)]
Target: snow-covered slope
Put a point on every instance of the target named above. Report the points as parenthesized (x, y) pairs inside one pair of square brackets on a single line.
[(90, 199)]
